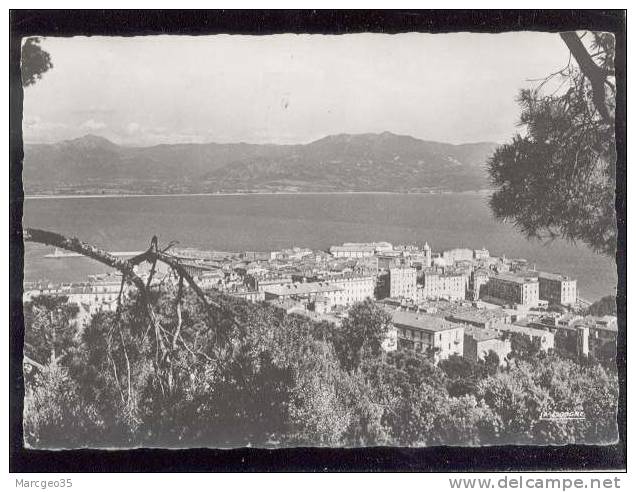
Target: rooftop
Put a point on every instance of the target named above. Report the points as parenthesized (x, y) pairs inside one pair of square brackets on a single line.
[(378, 244), (302, 288), (521, 328), (447, 274), (506, 277), (554, 276), (481, 334), (213, 274), (475, 315), (605, 323), (349, 276), (422, 321), (403, 269), (369, 249)]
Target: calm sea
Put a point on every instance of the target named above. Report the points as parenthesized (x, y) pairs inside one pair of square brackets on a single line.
[(267, 222)]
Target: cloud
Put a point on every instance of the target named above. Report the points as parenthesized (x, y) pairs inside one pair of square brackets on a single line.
[(93, 111), (93, 125), (36, 129), (31, 122), (133, 128)]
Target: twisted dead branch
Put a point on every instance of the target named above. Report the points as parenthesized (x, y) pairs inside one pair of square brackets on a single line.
[(165, 342)]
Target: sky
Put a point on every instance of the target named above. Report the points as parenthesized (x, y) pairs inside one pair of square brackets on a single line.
[(287, 88)]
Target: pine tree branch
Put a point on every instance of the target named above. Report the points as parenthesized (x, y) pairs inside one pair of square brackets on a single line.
[(595, 74)]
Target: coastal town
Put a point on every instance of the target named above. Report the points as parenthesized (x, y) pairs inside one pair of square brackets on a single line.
[(455, 302), (325, 241)]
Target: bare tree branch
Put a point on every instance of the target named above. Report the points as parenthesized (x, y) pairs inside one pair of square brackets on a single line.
[(27, 360), (126, 267), (77, 246), (121, 291), (178, 267), (179, 318)]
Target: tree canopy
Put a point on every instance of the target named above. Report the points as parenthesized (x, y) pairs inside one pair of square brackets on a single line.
[(604, 306), (557, 177), (361, 334), (284, 383), (52, 329), (35, 61)]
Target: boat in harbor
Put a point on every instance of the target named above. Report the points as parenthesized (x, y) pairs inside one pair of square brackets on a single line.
[(60, 253)]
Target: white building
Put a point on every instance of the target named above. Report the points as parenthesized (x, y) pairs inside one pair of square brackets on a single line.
[(428, 256), (89, 297), (457, 254), (403, 283), (360, 250), (481, 254), (557, 289), (327, 294), (426, 334), (356, 288), (443, 286), (351, 251), (514, 289)]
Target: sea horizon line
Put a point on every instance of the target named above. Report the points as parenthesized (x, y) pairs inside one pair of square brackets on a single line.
[(247, 193)]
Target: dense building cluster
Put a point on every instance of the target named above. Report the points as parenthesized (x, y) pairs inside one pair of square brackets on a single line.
[(460, 301)]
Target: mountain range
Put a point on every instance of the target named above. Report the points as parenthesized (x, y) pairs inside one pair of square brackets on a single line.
[(362, 162)]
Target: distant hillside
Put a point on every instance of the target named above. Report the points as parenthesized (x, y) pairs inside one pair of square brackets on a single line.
[(367, 162)]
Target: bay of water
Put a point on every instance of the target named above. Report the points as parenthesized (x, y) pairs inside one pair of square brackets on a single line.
[(269, 222)]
